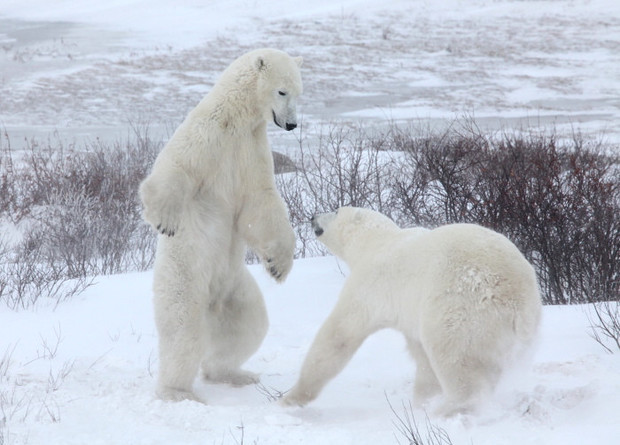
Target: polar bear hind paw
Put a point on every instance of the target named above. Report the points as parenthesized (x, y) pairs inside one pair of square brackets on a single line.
[(296, 398), (233, 378), (169, 394)]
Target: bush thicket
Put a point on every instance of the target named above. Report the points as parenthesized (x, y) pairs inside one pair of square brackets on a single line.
[(558, 201), (77, 213)]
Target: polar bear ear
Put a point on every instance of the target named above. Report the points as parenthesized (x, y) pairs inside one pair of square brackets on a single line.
[(299, 61), (260, 64)]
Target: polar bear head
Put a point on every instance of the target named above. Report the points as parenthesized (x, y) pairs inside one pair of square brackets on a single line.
[(278, 86), (260, 86), (349, 231)]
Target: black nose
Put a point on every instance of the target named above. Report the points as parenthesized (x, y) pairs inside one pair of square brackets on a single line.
[(318, 231), (290, 127)]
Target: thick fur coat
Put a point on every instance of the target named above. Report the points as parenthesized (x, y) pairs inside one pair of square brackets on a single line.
[(211, 192), (464, 297)]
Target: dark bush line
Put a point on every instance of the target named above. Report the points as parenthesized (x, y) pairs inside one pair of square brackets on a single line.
[(558, 201), (78, 211)]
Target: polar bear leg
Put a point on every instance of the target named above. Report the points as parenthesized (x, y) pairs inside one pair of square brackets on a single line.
[(340, 336), (164, 193), (264, 224), (466, 373), (236, 327), (465, 384), (181, 344), (426, 384)]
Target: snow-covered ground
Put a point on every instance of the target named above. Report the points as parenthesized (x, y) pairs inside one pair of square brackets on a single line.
[(88, 68), (83, 373)]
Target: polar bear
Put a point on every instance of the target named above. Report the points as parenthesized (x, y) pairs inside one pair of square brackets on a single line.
[(464, 297), (212, 191)]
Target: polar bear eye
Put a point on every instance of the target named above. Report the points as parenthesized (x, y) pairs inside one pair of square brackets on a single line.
[(282, 93)]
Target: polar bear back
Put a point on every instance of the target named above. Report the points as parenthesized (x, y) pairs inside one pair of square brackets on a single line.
[(472, 255), (464, 297), (473, 280)]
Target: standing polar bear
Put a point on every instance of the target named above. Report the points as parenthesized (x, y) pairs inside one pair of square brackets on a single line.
[(463, 296), (210, 193)]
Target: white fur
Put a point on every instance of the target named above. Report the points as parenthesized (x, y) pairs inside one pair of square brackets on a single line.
[(464, 297), (212, 191)]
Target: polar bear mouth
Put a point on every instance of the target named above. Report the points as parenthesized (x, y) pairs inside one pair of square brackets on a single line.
[(275, 121)]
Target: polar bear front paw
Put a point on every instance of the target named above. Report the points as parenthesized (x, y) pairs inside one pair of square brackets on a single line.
[(165, 219), (163, 201), (169, 228), (278, 268), (296, 397), (278, 258), (162, 212)]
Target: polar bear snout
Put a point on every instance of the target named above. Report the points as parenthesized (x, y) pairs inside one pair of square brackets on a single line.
[(318, 230), (287, 125), (321, 222)]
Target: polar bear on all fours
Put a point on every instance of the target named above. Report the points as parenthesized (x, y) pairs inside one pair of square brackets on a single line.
[(464, 297), (211, 192)]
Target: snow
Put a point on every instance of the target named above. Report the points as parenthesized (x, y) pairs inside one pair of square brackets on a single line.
[(380, 61), (83, 372)]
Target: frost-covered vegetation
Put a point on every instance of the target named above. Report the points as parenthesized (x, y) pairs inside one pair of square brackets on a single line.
[(77, 214), (558, 200)]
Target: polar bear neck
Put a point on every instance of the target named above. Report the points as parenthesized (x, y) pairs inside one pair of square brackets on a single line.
[(368, 242), (232, 104)]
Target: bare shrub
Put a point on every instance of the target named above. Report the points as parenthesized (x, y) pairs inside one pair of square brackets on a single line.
[(605, 324), (27, 275), (439, 176), (25, 401), (271, 394), (7, 184), (79, 213), (559, 202), (5, 362), (564, 213), (347, 167), (407, 426)]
